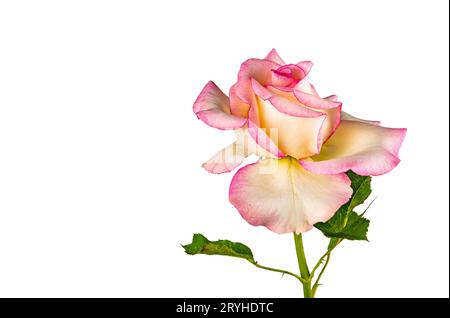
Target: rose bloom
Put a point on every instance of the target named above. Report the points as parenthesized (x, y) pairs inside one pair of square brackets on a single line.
[(305, 144)]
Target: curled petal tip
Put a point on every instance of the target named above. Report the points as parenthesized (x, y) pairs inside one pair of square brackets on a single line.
[(212, 106)]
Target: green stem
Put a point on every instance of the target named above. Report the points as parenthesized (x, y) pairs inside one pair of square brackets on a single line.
[(319, 262), (282, 271), (303, 266), (316, 285)]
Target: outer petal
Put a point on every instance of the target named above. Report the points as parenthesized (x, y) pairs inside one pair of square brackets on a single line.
[(248, 137), (347, 116), (237, 106), (364, 148), (284, 197), (329, 105), (212, 107), (331, 123), (227, 159), (274, 57), (232, 156)]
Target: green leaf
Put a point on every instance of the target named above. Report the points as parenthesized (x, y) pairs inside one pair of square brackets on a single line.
[(201, 245), (361, 189), (355, 229), (347, 224)]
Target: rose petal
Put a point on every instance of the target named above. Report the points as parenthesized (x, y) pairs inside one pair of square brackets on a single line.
[(315, 102), (237, 106), (282, 196), (227, 159), (298, 137), (282, 104), (287, 76), (244, 137), (329, 106), (262, 135), (347, 116), (296, 130), (364, 148), (332, 98), (304, 85), (292, 106), (233, 155), (212, 107), (306, 66), (330, 124), (260, 70), (274, 57), (314, 91)]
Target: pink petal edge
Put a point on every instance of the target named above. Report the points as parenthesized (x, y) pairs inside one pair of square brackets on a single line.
[(375, 157), (212, 107), (273, 56), (281, 104), (259, 197), (315, 101)]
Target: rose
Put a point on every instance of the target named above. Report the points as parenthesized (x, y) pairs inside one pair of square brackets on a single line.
[(305, 141)]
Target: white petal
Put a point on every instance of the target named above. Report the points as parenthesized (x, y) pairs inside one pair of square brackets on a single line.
[(284, 197), (227, 159)]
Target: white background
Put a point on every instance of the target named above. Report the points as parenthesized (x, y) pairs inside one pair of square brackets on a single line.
[(100, 153)]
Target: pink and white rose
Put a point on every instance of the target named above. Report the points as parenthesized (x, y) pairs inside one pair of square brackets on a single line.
[(305, 141)]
